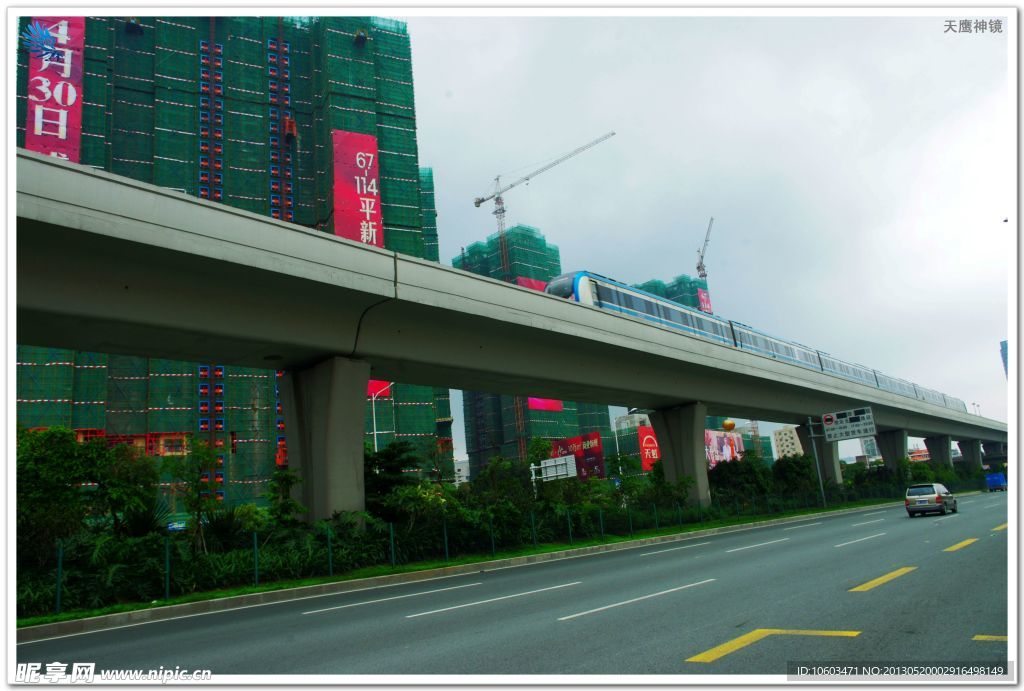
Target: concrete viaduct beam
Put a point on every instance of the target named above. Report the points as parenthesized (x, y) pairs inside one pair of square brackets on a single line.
[(828, 455), (680, 432), (324, 411)]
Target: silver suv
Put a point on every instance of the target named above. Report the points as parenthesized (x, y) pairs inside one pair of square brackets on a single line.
[(929, 497)]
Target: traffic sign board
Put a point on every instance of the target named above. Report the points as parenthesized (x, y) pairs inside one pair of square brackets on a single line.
[(848, 424)]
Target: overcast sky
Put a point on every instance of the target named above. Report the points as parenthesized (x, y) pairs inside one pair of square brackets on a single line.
[(859, 170)]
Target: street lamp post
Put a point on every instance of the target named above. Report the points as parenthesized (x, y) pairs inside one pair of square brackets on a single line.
[(373, 411)]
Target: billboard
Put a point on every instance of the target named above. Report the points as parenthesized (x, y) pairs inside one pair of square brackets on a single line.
[(650, 453), (376, 388), (357, 214), (588, 452), (722, 446), (549, 404), (54, 122), (705, 300)]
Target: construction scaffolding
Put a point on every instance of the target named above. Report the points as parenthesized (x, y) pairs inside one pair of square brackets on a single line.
[(236, 110)]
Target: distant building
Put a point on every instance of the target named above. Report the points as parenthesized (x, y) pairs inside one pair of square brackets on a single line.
[(762, 444), (917, 455), (627, 437), (502, 425), (1002, 352), (869, 447), (787, 442), (461, 470)]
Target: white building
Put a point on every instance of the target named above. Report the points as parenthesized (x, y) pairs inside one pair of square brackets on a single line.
[(461, 470), (787, 443)]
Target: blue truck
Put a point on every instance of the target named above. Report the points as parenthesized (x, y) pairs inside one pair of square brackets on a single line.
[(996, 482)]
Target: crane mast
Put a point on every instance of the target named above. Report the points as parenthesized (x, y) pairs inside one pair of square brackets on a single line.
[(702, 270), (519, 402), (499, 201)]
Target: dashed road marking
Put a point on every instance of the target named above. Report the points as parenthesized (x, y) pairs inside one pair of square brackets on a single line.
[(673, 549), (760, 544), (635, 599), (983, 637), (866, 522), (1000, 527), (493, 599), (961, 545), (864, 587), (386, 599), (806, 525), (844, 544)]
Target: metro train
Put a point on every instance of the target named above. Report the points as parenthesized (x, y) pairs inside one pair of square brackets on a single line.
[(600, 291)]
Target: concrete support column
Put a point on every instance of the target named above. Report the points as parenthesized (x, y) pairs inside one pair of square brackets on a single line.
[(680, 433), (970, 453), (325, 410), (893, 446), (995, 452), (939, 450), (828, 455)]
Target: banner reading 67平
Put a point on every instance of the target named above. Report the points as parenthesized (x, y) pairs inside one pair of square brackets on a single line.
[(357, 213)]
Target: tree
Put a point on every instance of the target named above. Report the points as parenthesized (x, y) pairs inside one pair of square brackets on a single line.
[(191, 475), (284, 510), (126, 485), (51, 502), (795, 475), (383, 471), (747, 477)]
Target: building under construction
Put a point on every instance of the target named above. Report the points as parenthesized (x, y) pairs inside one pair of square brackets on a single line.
[(502, 425), (273, 115)]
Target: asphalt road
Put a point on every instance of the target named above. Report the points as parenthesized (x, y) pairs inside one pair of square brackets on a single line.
[(740, 603)]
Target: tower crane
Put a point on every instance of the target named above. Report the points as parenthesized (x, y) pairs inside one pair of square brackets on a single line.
[(518, 402), (499, 201), (702, 270)]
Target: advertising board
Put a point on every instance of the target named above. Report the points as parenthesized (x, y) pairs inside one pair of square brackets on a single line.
[(54, 122), (721, 447), (357, 213), (588, 452)]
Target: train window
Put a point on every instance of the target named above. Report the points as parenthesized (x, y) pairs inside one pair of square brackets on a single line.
[(783, 349), (605, 295), (680, 317)]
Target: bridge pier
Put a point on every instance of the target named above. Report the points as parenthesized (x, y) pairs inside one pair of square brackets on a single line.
[(939, 449), (325, 409), (995, 452), (828, 455), (680, 433), (970, 452), (893, 447)]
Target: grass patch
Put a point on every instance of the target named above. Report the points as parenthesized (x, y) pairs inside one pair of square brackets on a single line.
[(387, 569)]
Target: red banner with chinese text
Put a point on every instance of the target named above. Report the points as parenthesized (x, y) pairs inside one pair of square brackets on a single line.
[(705, 300), (54, 122), (588, 452), (357, 214), (650, 452)]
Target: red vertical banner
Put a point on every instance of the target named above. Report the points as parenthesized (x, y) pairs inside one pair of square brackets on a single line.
[(705, 300), (650, 452), (54, 122), (357, 214)]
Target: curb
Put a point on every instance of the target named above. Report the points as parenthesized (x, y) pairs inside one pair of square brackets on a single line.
[(29, 634)]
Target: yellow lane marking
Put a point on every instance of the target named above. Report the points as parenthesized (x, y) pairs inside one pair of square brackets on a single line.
[(999, 527), (981, 637), (882, 579), (754, 636), (961, 545)]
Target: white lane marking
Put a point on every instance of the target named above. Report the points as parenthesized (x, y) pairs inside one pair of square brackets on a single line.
[(396, 597), (234, 609), (844, 544), (493, 599), (635, 599), (989, 506), (673, 549), (806, 525), (874, 513), (760, 544), (866, 522), (939, 520)]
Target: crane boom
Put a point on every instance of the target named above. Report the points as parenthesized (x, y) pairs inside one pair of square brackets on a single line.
[(561, 159), (702, 270)]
